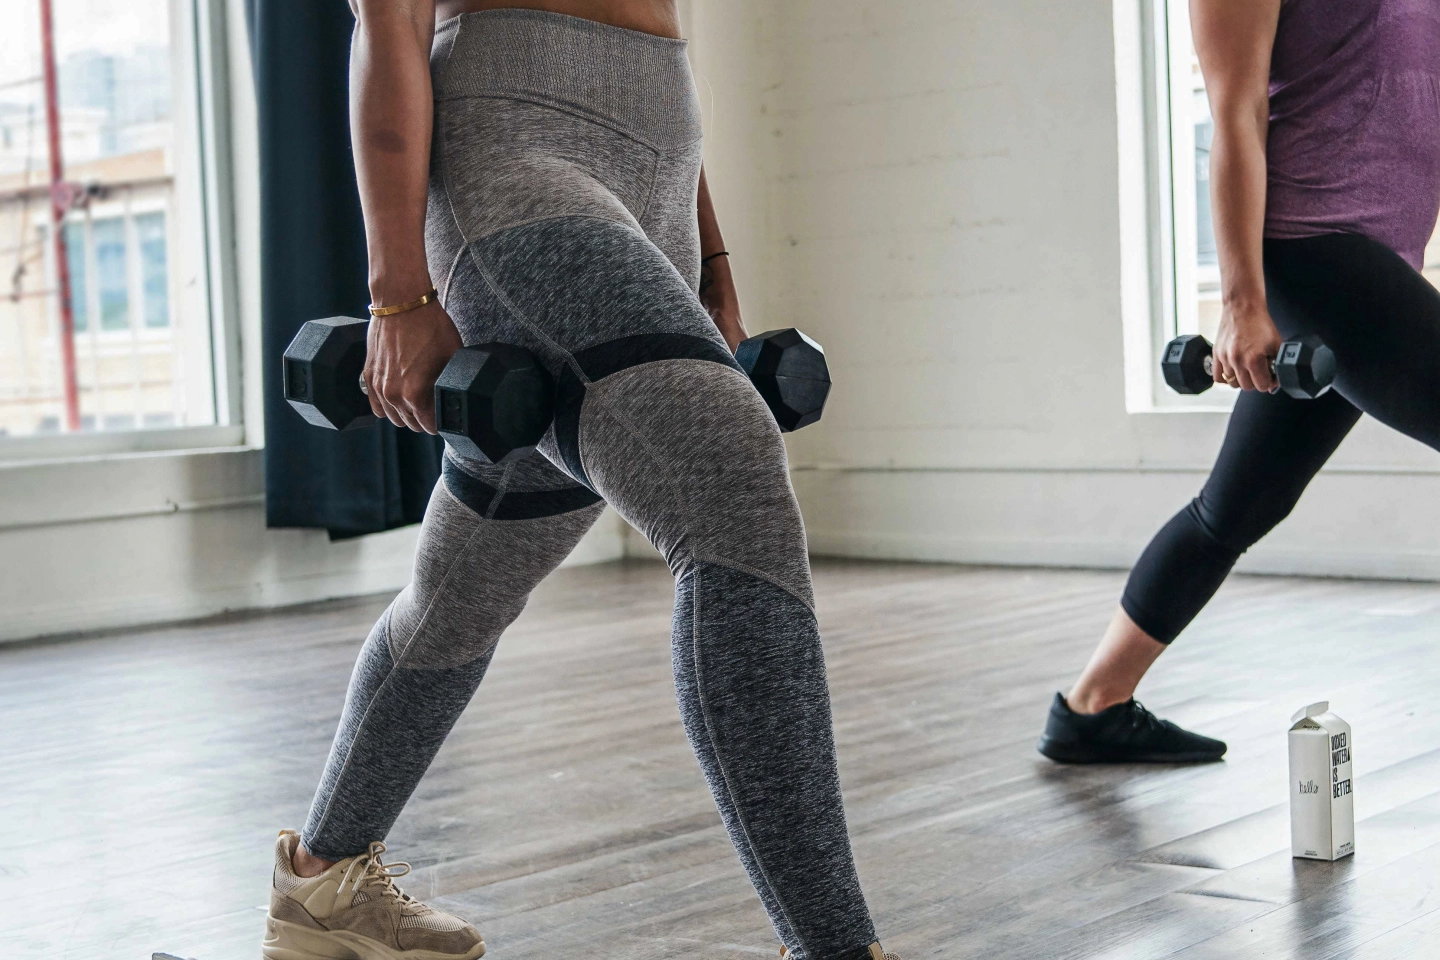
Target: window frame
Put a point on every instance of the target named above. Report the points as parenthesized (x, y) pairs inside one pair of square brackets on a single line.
[(1158, 199), (200, 47)]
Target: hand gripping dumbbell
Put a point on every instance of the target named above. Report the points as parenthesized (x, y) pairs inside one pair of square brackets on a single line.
[(1305, 368), (493, 401), (789, 371)]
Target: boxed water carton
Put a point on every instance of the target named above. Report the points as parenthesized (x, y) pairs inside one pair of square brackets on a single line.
[(1322, 808)]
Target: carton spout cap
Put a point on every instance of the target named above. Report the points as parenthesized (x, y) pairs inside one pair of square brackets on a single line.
[(1314, 710)]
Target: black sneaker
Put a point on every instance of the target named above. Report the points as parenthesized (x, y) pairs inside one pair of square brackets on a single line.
[(1124, 733)]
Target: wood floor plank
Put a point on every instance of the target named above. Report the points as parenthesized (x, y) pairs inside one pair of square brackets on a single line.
[(1380, 840), (1415, 940), (144, 774), (1239, 840), (1337, 916)]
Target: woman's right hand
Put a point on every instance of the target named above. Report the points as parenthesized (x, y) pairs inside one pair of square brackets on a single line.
[(1245, 347), (405, 354)]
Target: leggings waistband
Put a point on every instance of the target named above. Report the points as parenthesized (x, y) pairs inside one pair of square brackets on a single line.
[(636, 82)]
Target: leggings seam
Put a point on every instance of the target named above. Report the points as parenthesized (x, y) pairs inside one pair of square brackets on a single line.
[(746, 568), (720, 762), (454, 265), (514, 311), (396, 663), (467, 246), (659, 463), (501, 489), (650, 194), (548, 217), (480, 529), (445, 180), (559, 106), (520, 317), (350, 750)]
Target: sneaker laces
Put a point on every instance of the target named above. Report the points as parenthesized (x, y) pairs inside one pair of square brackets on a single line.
[(380, 879), (1140, 717)]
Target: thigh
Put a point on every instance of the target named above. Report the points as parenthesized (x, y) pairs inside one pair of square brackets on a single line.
[(1379, 315), (1274, 445), (688, 453)]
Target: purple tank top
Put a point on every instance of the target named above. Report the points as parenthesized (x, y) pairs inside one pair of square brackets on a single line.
[(1355, 122)]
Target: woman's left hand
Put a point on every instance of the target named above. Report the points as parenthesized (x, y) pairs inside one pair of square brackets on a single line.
[(718, 297)]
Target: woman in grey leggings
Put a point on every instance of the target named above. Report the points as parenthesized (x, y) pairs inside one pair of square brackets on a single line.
[(564, 187)]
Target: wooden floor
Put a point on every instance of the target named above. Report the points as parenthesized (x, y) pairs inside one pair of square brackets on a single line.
[(143, 777)]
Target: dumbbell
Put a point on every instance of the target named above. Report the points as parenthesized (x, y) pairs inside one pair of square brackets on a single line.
[(1304, 368), (789, 371), (493, 401)]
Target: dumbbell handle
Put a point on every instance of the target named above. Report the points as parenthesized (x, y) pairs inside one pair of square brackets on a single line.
[(1210, 366)]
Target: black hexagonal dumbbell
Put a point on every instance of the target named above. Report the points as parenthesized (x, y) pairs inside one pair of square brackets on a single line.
[(493, 401), (1304, 368), (789, 370), (322, 373)]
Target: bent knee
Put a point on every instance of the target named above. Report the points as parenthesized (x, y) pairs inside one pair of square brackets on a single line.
[(1238, 524), (688, 452), (445, 629), (473, 576)]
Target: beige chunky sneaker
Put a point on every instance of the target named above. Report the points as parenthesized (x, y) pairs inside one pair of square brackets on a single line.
[(875, 953), (354, 911)]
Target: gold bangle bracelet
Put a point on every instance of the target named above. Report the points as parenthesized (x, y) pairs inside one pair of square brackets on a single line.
[(430, 296)]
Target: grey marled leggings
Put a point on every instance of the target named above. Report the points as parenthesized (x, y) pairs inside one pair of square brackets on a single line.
[(562, 218)]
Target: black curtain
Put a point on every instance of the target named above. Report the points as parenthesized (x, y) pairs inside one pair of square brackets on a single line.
[(313, 264)]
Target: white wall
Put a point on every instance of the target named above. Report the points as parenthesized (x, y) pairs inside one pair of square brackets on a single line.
[(932, 189)]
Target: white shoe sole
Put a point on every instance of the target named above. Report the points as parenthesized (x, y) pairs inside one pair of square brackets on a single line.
[(290, 941)]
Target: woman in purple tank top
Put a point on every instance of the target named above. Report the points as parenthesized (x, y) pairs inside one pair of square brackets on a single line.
[(1325, 179)]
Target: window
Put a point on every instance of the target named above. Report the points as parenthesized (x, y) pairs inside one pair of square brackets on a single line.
[(111, 279), (145, 304), (154, 272), (1196, 304), (75, 247)]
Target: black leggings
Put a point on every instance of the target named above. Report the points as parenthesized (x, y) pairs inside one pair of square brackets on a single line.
[(1382, 319)]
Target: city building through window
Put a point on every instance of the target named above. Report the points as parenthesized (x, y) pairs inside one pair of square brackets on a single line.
[(139, 328)]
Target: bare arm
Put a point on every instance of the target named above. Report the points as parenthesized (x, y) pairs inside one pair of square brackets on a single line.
[(717, 285), (1234, 39), (391, 106)]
